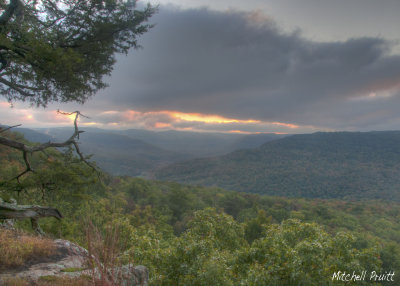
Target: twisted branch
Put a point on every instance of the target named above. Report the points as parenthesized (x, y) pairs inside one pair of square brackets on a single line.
[(5, 129), (25, 149)]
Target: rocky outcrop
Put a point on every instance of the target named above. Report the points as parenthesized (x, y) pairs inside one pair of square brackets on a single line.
[(71, 260), (129, 275)]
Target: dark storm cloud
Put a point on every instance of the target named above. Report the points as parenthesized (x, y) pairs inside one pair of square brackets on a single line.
[(240, 65)]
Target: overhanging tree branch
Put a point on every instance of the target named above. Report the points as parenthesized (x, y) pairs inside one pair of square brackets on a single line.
[(57, 47), (11, 211), (16, 87), (8, 128), (26, 149), (10, 11), (53, 50)]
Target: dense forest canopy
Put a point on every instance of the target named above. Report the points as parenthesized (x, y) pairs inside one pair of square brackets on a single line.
[(191, 235), (345, 165)]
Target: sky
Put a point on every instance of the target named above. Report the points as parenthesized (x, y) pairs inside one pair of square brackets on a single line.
[(254, 66)]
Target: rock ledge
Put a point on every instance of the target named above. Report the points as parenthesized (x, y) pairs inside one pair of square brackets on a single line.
[(71, 260)]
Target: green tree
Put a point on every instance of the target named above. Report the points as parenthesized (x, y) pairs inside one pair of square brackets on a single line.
[(297, 253), (59, 50), (202, 255), (255, 227)]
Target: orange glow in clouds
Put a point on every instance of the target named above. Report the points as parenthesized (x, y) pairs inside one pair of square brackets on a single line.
[(65, 117), (4, 104), (178, 117), (198, 117), (90, 123), (131, 115), (162, 125), (240, 132), (71, 117), (288, 125), (159, 120)]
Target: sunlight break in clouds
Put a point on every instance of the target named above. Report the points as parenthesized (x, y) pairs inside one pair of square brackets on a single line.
[(152, 120), (30, 117), (197, 117), (241, 65), (176, 120), (218, 70)]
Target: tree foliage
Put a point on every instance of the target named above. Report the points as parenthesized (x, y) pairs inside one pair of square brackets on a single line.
[(340, 165), (212, 241), (303, 254), (59, 50)]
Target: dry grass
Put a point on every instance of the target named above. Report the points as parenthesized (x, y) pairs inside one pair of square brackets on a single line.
[(50, 281), (18, 249), (104, 252), (105, 249)]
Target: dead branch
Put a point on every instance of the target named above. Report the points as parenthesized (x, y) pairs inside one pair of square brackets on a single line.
[(8, 128), (26, 149), (13, 211)]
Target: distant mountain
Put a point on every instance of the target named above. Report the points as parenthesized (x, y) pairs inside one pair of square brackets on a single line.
[(137, 152), (255, 140), (121, 155), (194, 143), (32, 135), (116, 154), (199, 144), (320, 165)]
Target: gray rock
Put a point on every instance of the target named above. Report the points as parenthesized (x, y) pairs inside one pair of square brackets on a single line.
[(70, 256), (130, 275), (67, 256)]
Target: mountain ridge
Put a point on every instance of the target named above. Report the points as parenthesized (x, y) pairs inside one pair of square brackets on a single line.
[(136, 152), (347, 165)]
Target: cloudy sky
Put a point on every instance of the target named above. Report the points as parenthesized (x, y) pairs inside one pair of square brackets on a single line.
[(285, 66)]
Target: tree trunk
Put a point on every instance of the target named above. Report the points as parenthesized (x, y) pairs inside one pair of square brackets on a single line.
[(12, 211)]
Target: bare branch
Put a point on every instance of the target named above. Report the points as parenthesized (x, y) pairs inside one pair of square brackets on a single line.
[(25, 149), (28, 166), (8, 128), (13, 144), (77, 114), (78, 151), (34, 212)]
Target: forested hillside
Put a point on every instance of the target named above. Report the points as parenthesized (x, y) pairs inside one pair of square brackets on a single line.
[(115, 153), (345, 165), (122, 155), (189, 235), (199, 144), (138, 152)]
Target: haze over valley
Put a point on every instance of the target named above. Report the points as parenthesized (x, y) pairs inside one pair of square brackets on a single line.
[(342, 165)]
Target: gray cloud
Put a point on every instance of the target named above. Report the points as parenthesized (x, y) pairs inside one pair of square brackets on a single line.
[(206, 61)]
